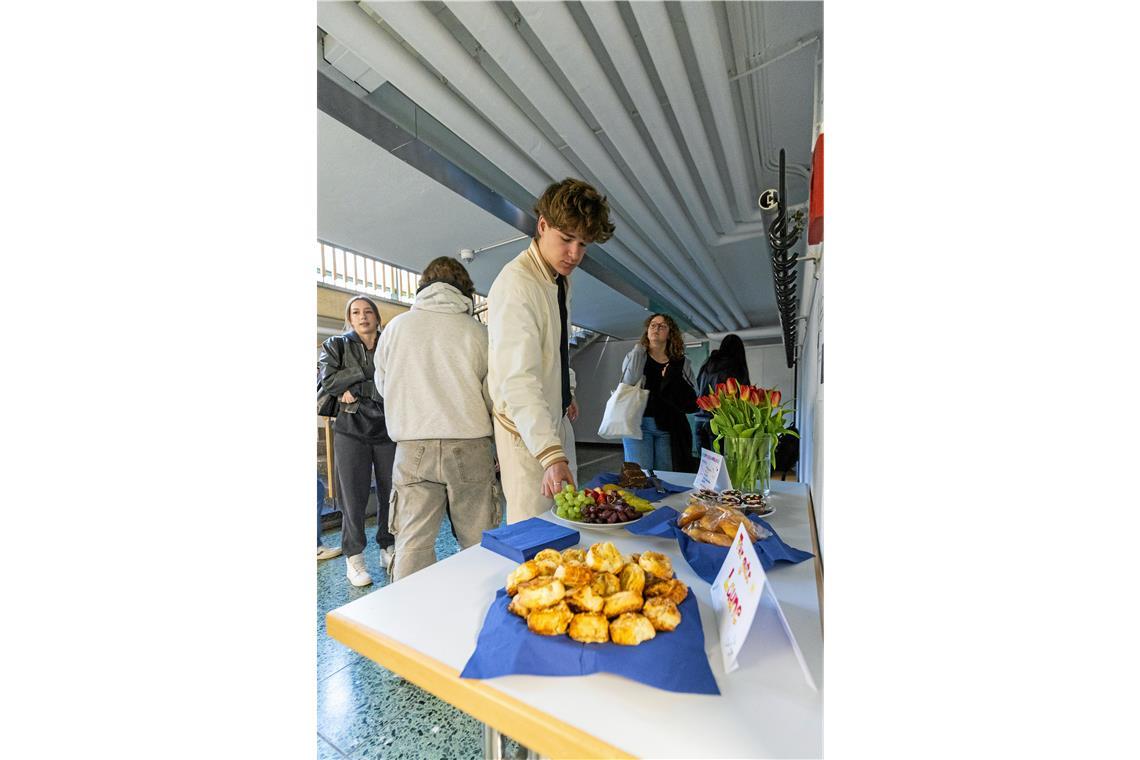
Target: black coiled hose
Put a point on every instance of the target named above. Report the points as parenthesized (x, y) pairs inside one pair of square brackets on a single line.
[(781, 239)]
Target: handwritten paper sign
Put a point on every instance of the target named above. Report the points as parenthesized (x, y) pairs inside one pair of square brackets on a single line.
[(712, 474), (737, 592)]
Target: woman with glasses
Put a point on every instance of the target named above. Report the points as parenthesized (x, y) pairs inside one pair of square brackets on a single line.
[(659, 359)]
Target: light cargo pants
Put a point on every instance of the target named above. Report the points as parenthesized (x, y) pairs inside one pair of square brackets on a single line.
[(433, 476), (522, 473)]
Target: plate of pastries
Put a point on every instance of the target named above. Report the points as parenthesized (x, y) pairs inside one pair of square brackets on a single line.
[(715, 523), (596, 595)]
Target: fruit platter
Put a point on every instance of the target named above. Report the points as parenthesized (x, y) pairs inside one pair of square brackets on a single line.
[(602, 508)]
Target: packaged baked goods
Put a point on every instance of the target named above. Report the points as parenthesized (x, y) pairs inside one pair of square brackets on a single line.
[(707, 536)]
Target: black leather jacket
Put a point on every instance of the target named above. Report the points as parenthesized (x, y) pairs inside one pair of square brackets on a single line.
[(346, 365)]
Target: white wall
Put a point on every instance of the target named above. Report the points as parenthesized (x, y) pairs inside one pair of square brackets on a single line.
[(597, 369), (810, 399), (768, 368)]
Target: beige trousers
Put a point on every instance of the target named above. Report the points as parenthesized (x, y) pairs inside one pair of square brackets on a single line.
[(429, 477), (522, 473)]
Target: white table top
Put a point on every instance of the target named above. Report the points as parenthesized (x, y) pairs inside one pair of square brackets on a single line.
[(765, 709)]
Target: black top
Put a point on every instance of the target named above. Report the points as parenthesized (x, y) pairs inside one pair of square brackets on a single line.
[(348, 365), (653, 385), (564, 344)]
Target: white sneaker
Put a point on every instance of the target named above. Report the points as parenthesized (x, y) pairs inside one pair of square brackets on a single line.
[(357, 574), (388, 558), (323, 552)]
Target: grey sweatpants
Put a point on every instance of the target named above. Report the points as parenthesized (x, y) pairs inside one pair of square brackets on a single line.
[(356, 463), (429, 477)]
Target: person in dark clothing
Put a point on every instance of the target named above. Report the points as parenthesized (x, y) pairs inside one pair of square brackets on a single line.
[(659, 358), (360, 436), (723, 363)]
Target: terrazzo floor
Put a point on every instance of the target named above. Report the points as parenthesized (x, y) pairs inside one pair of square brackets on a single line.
[(365, 711)]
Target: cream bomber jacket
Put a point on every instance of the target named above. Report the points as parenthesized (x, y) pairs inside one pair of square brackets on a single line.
[(524, 368), (431, 369)]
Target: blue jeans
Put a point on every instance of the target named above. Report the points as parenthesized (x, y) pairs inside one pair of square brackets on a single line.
[(652, 451)]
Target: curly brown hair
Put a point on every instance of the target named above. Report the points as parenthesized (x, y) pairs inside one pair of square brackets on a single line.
[(576, 206), (675, 348), (448, 270)]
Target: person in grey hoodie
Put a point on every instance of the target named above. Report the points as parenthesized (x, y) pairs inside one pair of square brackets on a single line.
[(431, 369)]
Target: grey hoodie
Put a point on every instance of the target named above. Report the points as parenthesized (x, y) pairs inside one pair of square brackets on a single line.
[(431, 369)]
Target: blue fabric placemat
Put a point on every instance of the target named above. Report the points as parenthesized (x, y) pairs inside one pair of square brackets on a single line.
[(522, 540), (649, 494), (674, 660), (706, 559)]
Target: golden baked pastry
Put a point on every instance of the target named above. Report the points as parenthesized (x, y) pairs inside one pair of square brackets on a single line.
[(662, 613), (574, 574), (632, 578), (709, 521), (707, 536), (673, 590), (730, 523), (590, 628), (548, 554), (622, 601), (543, 591), (517, 608), (585, 599), (630, 629), (604, 557), (548, 566), (524, 572), (605, 584), (693, 512), (574, 554), (656, 564), (551, 621)]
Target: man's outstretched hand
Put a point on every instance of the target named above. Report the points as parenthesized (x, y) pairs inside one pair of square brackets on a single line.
[(555, 475)]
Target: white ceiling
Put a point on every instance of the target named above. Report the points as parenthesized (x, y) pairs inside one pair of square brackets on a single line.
[(645, 100), (373, 203)]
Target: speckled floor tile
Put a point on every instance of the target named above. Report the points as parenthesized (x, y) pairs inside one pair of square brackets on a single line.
[(326, 751), (368, 712)]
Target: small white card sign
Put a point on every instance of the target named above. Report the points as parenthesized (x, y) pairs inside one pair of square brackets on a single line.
[(736, 594), (712, 474)]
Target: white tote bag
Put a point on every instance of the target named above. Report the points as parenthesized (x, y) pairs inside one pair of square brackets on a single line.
[(622, 418)]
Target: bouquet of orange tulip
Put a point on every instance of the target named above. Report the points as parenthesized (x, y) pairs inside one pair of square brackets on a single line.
[(742, 412)]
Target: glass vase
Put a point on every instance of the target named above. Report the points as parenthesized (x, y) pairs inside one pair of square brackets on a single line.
[(749, 463)]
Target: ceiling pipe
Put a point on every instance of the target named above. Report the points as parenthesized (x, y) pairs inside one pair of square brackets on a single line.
[(570, 51), (501, 41), (353, 28), (611, 29), (573, 55), (752, 333), (423, 31), (754, 20), (701, 22), (657, 31)]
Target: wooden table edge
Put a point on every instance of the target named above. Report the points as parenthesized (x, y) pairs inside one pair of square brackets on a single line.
[(531, 727)]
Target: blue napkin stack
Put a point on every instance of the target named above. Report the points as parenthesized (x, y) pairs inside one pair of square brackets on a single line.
[(522, 540), (706, 559), (649, 494), (674, 660)]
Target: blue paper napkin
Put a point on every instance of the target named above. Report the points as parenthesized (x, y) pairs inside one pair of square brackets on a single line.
[(706, 559), (649, 494), (674, 660), (522, 540)]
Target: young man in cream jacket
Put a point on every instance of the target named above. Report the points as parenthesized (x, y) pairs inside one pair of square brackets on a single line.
[(528, 310), (431, 369)]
